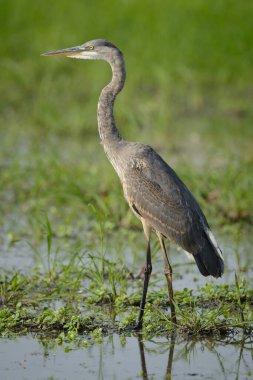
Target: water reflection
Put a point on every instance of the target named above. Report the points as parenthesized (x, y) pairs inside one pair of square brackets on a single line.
[(125, 358), (189, 351), (168, 374)]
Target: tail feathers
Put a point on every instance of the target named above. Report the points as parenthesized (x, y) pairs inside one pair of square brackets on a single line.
[(209, 260)]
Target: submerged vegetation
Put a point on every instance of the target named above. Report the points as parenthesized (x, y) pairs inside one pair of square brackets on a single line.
[(68, 275)]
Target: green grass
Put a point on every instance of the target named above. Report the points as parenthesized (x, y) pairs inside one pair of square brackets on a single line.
[(188, 94), (29, 305)]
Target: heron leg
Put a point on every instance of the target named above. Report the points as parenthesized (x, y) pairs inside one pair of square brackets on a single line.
[(147, 273), (168, 275)]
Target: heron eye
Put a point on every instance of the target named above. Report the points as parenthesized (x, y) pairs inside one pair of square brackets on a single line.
[(91, 47)]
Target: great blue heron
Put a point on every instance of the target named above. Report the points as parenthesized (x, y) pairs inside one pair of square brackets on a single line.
[(152, 189)]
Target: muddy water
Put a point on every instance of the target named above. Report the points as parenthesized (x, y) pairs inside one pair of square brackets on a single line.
[(25, 358)]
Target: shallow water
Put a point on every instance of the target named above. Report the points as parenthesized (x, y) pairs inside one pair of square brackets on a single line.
[(20, 256), (125, 358), (128, 357)]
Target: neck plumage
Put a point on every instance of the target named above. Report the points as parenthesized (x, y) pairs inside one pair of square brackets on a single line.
[(108, 131)]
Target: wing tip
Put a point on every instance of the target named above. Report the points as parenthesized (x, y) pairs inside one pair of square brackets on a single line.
[(210, 259)]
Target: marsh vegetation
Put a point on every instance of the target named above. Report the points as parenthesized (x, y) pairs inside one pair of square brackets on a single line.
[(69, 244)]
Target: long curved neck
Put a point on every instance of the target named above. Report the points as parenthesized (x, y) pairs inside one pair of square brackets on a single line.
[(108, 131)]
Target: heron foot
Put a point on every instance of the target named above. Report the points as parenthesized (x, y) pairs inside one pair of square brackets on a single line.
[(137, 327), (134, 329)]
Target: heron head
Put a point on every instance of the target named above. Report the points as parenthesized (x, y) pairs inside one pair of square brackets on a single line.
[(94, 49)]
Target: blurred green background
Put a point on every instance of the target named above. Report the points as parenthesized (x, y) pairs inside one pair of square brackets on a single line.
[(188, 93)]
